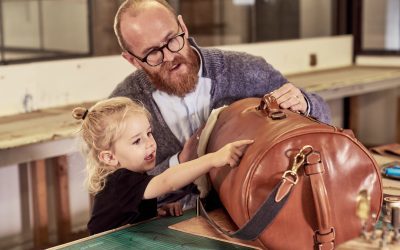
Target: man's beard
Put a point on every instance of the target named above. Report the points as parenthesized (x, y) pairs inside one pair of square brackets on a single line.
[(184, 84)]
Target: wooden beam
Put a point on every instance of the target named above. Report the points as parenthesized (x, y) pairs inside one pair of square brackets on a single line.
[(353, 114), (398, 120), (39, 199), (24, 199), (62, 198), (102, 30)]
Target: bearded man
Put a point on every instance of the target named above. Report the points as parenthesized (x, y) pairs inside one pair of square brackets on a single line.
[(180, 83)]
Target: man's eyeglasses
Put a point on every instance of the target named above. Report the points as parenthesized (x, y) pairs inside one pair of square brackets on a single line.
[(156, 56)]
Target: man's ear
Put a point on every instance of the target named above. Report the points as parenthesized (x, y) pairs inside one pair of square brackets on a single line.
[(183, 25), (108, 158), (131, 59)]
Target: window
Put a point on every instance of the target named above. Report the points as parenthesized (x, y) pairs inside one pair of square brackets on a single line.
[(43, 29), (379, 27)]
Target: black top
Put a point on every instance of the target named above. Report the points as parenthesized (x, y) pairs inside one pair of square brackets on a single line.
[(121, 202)]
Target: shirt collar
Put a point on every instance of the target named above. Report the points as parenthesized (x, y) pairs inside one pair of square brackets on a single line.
[(201, 61)]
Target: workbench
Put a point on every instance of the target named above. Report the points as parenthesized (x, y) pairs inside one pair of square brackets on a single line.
[(347, 81), (153, 234), (29, 139), (351, 81)]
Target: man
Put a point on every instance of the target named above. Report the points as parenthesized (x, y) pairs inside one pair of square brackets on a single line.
[(181, 83)]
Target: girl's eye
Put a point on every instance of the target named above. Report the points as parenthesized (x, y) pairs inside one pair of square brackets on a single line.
[(136, 142), (149, 134)]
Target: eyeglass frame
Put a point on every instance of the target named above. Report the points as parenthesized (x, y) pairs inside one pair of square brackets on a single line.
[(144, 59)]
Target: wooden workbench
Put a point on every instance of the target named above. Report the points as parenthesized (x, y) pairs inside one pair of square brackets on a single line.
[(28, 140), (49, 134), (153, 234), (351, 82), (348, 81)]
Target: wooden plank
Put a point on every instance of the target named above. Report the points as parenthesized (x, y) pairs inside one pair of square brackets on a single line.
[(39, 200), (398, 120), (102, 18), (199, 226), (354, 114), (45, 128), (342, 77), (62, 198), (347, 81), (24, 199), (40, 150), (39, 126)]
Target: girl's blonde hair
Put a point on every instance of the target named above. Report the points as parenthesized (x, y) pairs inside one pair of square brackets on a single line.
[(102, 125)]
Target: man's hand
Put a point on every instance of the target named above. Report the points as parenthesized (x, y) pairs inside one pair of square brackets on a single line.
[(173, 209), (290, 97), (189, 151)]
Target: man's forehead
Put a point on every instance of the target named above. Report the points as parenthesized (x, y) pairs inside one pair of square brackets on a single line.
[(149, 20), (149, 12)]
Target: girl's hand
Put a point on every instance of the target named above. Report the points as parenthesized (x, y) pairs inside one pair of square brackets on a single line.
[(230, 154), (173, 209)]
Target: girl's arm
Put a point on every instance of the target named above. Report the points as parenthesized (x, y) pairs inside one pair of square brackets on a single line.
[(177, 177)]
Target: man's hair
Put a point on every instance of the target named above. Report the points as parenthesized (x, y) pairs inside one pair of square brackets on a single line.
[(133, 7)]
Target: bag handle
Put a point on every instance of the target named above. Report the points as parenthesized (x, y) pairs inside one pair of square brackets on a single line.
[(270, 106), (324, 236)]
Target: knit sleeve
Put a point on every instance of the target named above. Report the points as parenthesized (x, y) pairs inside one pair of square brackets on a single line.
[(241, 75)]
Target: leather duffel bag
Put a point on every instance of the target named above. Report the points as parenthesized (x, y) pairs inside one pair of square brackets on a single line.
[(300, 184)]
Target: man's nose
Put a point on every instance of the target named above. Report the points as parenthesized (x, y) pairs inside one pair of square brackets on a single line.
[(168, 55)]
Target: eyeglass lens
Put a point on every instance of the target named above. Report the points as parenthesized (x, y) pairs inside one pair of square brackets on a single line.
[(156, 57)]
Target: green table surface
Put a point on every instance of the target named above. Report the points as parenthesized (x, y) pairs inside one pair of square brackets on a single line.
[(153, 234)]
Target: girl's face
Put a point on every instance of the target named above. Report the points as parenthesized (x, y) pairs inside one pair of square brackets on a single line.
[(136, 148)]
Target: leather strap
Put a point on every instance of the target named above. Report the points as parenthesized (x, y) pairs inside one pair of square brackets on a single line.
[(260, 220), (325, 235)]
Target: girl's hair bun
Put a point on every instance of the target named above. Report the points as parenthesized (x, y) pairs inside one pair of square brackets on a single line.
[(79, 113)]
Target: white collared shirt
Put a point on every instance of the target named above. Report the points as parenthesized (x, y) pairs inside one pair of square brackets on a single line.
[(184, 115)]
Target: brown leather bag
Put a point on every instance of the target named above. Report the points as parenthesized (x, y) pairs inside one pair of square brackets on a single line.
[(299, 184)]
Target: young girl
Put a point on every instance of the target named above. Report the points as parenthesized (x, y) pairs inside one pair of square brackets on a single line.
[(119, 149)]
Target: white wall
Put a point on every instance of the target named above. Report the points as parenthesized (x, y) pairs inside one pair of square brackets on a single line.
[(293, 56), (56, 83)]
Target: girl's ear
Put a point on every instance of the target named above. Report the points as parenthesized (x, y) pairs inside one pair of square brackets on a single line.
[(108, 158)]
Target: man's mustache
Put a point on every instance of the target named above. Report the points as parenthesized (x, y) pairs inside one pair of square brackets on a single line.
[(167, 66)]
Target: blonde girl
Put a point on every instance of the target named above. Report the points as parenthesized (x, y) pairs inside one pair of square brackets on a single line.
[(119, 148)]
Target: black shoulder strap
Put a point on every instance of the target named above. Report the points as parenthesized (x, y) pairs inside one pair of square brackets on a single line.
[(261, 219)]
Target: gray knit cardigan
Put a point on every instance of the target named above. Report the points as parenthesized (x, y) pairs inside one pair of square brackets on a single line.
[(234, 76)]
